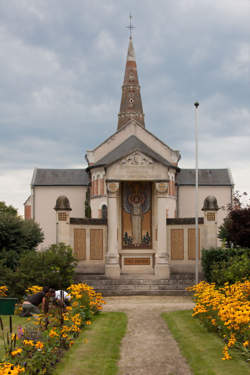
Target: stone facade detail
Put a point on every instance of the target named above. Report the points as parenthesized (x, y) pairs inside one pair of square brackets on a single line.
[(136, 159), (161, 187)]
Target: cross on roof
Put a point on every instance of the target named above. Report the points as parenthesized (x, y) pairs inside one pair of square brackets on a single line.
[(130, 27)]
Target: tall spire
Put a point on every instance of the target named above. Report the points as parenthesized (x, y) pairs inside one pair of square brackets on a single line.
[(131, 104)]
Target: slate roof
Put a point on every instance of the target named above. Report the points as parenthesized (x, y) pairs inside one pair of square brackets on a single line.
[(207, 177), (127, 147), (60, 177)]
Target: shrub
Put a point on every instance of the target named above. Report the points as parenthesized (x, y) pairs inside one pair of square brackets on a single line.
[(235, 268), (53, 267), (218, 256)]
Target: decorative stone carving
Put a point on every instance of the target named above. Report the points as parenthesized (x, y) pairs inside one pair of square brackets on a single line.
[(136, 159), (161, 187), (113, 187)]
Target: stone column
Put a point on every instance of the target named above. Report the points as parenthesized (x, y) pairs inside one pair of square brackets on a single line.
[(210, 224), (62, 209), (162, 270), (112, 267), (210, 208)]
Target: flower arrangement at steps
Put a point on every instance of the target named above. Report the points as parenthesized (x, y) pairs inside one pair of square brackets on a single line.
[(225, 310), (41, 344)]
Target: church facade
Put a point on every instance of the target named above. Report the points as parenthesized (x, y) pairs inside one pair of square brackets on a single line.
[(132, 209)]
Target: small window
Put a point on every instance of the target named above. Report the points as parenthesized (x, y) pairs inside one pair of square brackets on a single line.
[(104, 211)]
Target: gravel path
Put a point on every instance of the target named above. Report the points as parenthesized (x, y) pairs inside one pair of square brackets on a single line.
[(148, 348)]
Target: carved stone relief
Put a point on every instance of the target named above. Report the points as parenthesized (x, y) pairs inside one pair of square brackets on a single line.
[(137, 159)]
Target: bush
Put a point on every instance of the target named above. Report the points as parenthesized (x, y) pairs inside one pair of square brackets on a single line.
[(217, 258), (53, 267), (235, 268)]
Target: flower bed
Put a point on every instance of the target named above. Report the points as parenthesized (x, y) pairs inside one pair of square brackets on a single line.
[(38, 347), (227, 311)]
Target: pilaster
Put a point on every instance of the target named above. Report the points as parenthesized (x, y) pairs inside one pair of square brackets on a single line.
[(162, 270), (112, 267)]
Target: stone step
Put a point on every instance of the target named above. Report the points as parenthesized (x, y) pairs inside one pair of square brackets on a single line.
[(138, 284)]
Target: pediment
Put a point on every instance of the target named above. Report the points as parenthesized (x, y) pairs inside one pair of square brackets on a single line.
[(126, 133), (136, 159)]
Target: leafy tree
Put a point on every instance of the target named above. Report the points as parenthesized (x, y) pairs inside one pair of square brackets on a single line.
[(235, 230), (7, 209), (16, 235)]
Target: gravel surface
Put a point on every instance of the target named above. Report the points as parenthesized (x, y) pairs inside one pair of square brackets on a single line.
[(148, 347)]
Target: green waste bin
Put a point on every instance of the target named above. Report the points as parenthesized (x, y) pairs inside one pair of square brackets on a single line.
[(7, 306)]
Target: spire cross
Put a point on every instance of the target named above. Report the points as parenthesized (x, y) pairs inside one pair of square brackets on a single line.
[(130, 27)]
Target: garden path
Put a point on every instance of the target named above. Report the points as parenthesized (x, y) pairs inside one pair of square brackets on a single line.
[(148, 347)]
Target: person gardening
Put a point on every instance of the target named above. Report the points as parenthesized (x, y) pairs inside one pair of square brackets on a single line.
[(30, 305)]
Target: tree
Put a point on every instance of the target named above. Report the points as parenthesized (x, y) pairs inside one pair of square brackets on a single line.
[(7, 209), (16, 235), (235, 230)]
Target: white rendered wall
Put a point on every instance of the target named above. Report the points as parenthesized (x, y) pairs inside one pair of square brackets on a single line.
[(44, 201), (186, 200), (96, 205)]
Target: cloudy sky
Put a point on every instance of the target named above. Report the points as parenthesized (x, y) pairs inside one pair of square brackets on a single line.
[(61, 70)]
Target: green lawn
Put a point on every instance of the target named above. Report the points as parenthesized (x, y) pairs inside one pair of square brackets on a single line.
[(97, 349), (202, 349)]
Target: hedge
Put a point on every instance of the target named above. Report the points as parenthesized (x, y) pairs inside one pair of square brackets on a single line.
[(218, 257)]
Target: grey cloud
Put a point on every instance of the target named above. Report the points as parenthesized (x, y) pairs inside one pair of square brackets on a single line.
[(62, 66)]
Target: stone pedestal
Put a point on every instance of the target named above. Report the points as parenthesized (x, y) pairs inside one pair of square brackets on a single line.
[(162, 270), (210, 229), (62, 209), (210, 209), (112, 266)]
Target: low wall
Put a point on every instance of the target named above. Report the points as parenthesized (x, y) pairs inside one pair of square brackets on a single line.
[(181, 243), (89, 242)]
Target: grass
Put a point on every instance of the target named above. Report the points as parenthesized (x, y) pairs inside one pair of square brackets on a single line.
[(16, 321), (97, 349), (202, 349)]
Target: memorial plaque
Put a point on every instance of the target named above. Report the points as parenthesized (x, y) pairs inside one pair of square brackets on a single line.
[(137, 261), (211, 216)]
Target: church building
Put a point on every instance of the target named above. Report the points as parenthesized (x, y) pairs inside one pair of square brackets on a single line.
[(132, 209)]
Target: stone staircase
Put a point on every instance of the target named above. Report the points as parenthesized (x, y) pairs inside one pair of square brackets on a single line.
[(139, 284)]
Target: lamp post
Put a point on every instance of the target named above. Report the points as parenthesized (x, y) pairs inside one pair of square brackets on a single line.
[(196, 104)]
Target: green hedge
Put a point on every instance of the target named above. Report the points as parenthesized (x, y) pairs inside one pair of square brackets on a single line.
[(221, 265)]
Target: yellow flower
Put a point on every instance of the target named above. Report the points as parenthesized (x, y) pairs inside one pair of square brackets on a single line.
[(34, 289), (3, 291), (28, 342), (53, 333), (88, 322), (39, 345), (15, 352), (245, 344)]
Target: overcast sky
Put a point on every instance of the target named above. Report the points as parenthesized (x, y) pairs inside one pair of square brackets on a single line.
[(61, 70)]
